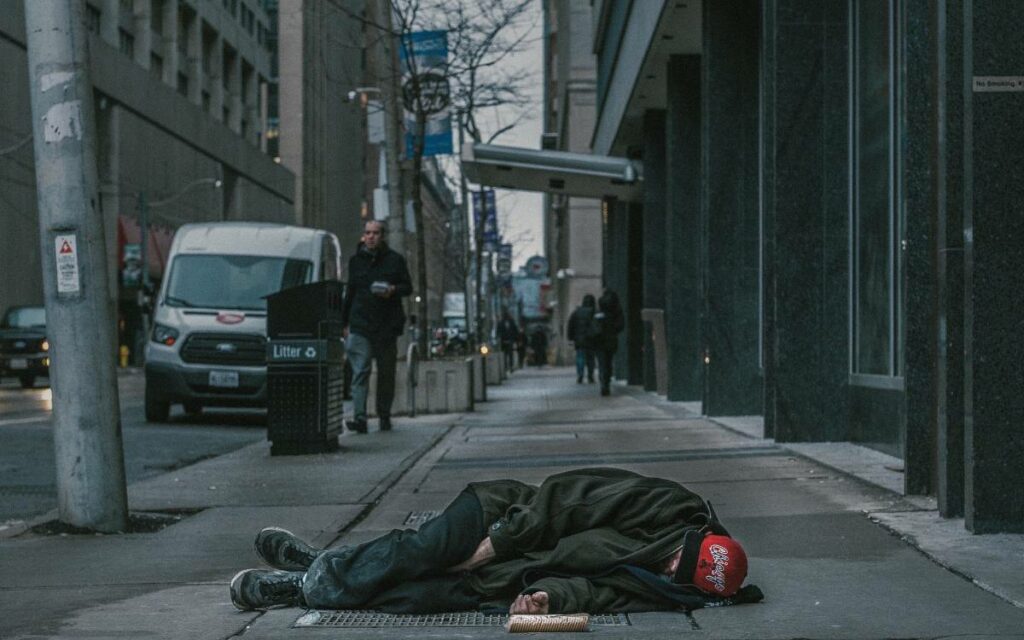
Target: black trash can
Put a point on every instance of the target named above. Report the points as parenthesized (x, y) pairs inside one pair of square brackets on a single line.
[(305, 369)]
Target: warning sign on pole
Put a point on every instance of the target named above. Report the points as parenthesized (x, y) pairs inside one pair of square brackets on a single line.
[(67, 264)]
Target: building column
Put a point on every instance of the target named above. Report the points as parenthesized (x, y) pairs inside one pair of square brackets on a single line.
[(732, 251), (217, 78), (234, 98), (170, 43), (194, 64), (993, 271), (683, 229), (252, 106), (921, 248), (949, 487), (110, 23), (632, 296), (653, 258), (806, 208), (142, 32)]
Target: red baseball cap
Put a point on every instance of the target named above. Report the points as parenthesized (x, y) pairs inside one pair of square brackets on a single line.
[(715, 564)]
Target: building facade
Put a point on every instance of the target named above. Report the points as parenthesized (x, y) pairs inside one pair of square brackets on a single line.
[(828, 224), (572, 227), (321, 132), (180, 107)]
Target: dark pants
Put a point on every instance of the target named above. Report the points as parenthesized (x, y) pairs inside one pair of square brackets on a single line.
[(403, 571), (585, 360), (362, 350), (509, 352), (604, 364)]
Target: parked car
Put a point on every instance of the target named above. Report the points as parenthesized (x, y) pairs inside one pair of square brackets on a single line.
[(208, 342), (24, 349)]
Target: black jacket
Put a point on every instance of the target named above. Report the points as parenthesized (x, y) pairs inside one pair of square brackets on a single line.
[(582, 328), (366, 313), (610, 323), (590, 539)]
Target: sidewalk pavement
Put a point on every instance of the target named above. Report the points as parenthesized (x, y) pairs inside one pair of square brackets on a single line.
[(837, 557)]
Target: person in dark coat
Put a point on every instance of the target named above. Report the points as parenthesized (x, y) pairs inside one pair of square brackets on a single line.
[(521, 347), (373, 317), (581, 331), (508, 333), (539, 345), (610, 322), (589, 540)]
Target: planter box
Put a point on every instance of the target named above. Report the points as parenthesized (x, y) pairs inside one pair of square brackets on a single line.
[(442, 386)]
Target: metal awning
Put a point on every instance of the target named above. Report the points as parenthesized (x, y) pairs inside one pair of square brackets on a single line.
[(573, 174)]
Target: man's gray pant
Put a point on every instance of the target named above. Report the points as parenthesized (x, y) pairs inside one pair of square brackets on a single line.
[(361, 351)]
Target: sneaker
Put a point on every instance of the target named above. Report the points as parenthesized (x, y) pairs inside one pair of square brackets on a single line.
[(281, 549), (356, 426), (260, 589), (385, 423), (579, 379), (605, 391), (590, 379)]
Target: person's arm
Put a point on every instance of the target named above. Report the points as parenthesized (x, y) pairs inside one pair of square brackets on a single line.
[(403, 286), (346, 305), (566, 595), (566, 505)]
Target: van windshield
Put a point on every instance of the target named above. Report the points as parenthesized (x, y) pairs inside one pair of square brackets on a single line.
[(24, 318), (231, 282)]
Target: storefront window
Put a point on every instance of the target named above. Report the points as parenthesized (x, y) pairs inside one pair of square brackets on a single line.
[(875, 228)]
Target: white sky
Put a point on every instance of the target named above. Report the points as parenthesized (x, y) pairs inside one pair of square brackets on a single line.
[(519, 212)]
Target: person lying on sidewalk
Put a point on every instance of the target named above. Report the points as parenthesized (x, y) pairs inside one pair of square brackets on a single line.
[(599, 540)]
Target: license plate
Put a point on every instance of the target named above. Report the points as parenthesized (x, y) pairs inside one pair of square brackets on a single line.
[(19, 363), (225, 379)]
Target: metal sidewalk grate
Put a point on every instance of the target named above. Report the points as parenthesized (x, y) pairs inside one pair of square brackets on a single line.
[(416, 518), (377, 620)]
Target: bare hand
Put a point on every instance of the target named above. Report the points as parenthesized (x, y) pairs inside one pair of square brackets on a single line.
[(535, 603), (344, 332), (484, 553)]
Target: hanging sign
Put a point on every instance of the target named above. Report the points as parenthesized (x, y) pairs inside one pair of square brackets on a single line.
[(68, 278), (424, 59), (490, 222)]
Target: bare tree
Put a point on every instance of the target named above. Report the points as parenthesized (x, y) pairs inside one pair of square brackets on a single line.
[(482, 36)]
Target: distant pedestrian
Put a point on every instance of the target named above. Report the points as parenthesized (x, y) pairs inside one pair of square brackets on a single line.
[(521, 347), (610, 323), (581, 331), (508, 332), (539, 345), (373, 317)]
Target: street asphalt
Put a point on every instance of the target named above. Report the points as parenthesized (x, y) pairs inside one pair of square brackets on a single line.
[(27, 477), (836, 556)]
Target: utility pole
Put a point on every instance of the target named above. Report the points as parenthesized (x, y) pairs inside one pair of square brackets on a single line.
[(464, 228), (91, 489)]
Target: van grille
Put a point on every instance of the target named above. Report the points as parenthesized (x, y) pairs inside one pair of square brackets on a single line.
[(225, 348)]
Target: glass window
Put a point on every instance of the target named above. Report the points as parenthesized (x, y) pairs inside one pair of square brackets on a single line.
[(875, 229), (24, 318), (231, 282)]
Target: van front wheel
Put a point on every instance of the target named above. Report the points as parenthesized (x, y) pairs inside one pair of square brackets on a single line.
[(157, 409)]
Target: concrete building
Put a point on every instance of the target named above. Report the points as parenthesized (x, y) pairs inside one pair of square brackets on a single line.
[(572, 225), (320, 60), (180, 104), (830, 224)]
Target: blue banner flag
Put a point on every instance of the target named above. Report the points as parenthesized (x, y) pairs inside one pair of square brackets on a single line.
[(424, 59)]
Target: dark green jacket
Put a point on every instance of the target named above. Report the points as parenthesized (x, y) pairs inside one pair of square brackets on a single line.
[(582, 536)]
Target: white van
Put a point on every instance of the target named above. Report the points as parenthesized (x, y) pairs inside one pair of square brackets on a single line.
[(207, 346)]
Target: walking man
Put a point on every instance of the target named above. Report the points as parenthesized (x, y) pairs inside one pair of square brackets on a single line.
[(610, 322), (589, 540), (581, 331), (373, 317), (508, 333)]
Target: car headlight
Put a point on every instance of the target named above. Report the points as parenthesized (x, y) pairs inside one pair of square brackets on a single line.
[(45, 346), (165, 335)]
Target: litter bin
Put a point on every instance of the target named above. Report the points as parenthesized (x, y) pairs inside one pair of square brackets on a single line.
[(305, 369)]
